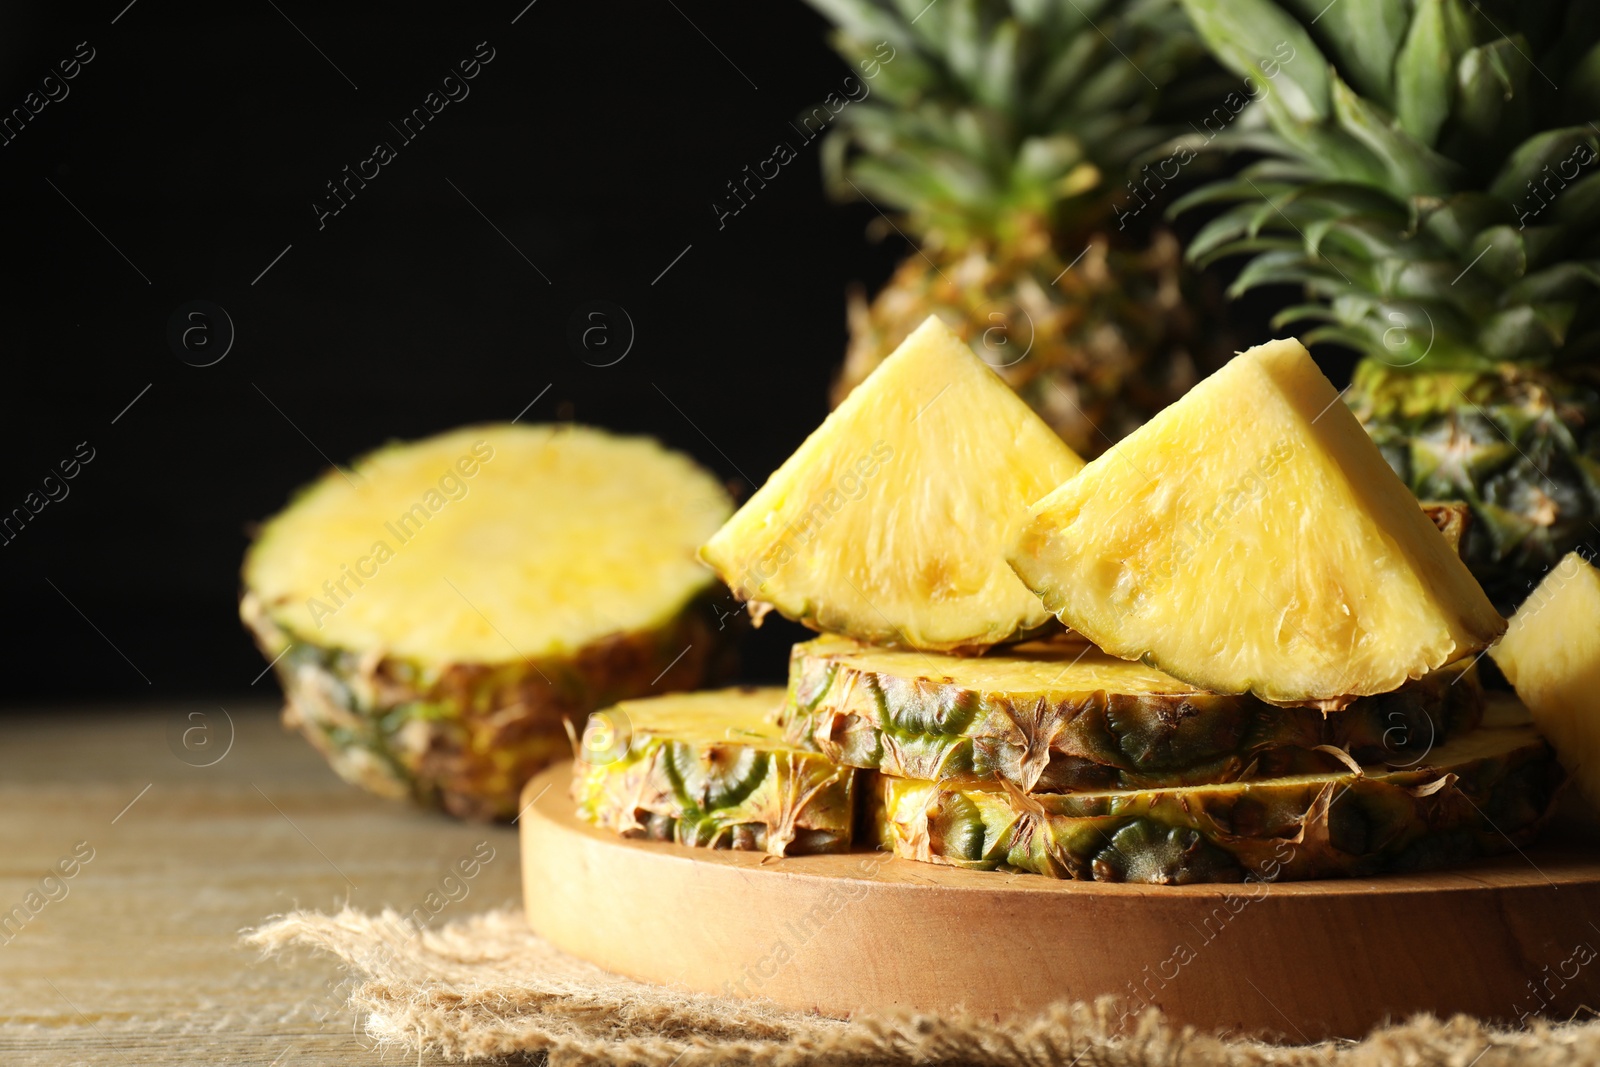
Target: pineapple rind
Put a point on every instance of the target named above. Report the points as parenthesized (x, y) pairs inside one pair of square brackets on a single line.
[(1095, 350), (1061, 716), (465, 737), (1483, 795), (1519, 446), (709, 769)]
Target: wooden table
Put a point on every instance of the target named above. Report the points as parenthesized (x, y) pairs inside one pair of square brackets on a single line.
[(137, 959)]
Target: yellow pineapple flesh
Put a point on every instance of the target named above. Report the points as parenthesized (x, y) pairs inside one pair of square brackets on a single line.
[(1551, 656), (437, 610), (1251, 538), (890, 523), (490, 544)]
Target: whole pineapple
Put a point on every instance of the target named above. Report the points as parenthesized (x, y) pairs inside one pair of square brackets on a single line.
[(1429, 180), (1007, 135)]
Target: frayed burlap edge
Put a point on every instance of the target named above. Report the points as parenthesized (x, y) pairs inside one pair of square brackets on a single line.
[(485, 988)]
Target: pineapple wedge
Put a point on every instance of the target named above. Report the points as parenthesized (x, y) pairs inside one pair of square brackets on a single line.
[(1251, 538), (1551, 656), (1482, 794), (1061, 716), (437, 609), (890, 522), (711, 769)]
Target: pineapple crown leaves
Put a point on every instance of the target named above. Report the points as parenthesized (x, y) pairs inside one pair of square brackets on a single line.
[(996, 119), (1427, 173)]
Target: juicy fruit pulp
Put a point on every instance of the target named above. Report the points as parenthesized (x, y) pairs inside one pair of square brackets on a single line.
[(490, 544), (1477, 796), (434, 619), (1251, 538), (710, 769), (1062, 716), (1551, 656), (890, 522)]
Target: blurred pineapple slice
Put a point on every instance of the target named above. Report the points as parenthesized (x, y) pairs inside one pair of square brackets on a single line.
[(1551, 656)]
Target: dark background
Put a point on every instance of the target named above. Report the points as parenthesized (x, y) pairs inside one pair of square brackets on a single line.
[(196, 142)]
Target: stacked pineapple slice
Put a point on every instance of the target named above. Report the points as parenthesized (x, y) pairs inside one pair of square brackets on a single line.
[(1266, 668)]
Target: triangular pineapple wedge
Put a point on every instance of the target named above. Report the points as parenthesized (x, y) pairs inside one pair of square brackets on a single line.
[(1551, 656), (1251, 538), (890, 523), (711, 769), (1061, 716)]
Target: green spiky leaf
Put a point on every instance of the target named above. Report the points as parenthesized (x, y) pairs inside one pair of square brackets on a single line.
[(1414, 168), (1364, 36), (1424, 76), (1540, 158), (1246, 35)]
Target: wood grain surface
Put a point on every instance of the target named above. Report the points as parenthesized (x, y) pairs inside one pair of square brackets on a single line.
[(1499, 939), (136, 960)]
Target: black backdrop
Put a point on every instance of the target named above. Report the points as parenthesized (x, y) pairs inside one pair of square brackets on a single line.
[(183, 163)]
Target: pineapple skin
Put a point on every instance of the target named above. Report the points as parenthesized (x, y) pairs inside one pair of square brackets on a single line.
[(1286, 830), (1519, 446), (1095, 350), (465, 737), (1044, 740), (754, 794)]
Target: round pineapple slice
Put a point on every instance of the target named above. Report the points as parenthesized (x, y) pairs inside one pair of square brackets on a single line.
[(436, 610), (711, 769), (1061, 716), (1483, 794)]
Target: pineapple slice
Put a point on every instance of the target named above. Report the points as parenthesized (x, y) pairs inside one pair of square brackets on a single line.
[(1551, 656), (1251, 538), (1062, 716), (711, 769), (890, 522), (1485, 793), (436, 610)]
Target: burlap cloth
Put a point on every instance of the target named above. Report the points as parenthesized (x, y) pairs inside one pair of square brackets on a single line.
[(485, 987)]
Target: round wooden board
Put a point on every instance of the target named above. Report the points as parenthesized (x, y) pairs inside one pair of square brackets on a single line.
[(865, 932)]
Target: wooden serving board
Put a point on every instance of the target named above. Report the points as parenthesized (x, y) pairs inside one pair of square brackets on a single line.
[(864, 932)]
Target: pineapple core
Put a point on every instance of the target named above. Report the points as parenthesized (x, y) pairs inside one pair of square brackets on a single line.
[(1551, 656), (1251, 538), (890, 522)]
